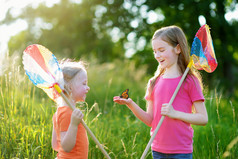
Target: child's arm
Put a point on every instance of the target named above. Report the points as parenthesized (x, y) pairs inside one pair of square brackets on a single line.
[(145, 117), (198, 118), (68, 138), (54, 140)]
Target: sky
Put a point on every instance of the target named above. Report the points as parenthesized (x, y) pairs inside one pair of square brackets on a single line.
[(16, 6), (6, 31)]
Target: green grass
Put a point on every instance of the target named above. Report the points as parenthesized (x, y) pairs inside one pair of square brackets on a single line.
[(26, 117)]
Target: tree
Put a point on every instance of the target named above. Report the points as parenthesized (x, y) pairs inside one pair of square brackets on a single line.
[(67, 29), (224, 33), (185, 14), (107, 29)]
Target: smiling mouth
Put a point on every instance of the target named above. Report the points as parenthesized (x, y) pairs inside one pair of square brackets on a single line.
[(161, 61)]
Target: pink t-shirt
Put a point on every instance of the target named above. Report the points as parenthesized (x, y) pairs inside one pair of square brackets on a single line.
[(174, 136)]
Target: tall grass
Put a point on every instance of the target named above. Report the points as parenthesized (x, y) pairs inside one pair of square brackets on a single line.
[(26, 117)]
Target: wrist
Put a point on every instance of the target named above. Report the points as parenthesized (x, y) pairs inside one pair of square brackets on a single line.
[(130, 103), (176, 114), (73, 125)]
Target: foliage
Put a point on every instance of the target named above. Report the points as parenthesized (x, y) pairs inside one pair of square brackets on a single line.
[(113, 29), (66, 28), (133, 19)]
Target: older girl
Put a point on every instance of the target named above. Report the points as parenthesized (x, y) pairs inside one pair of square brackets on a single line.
[(175, 137)]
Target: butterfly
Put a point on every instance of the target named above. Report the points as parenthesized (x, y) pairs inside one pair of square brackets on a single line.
[(125, 94)]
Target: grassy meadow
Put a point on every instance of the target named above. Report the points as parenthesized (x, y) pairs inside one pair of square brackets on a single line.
[(26, 116)]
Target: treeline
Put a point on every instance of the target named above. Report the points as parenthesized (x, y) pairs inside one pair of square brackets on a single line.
[(122, 29)]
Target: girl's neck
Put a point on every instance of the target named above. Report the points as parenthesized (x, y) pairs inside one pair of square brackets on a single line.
[(61, 102), (172, 72)]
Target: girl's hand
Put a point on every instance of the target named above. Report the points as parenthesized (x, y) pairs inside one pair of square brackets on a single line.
[(76, 117), (168, 110), (122, 101)]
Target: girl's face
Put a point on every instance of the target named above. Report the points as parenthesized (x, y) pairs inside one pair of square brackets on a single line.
[(80, 86), (164, 53)]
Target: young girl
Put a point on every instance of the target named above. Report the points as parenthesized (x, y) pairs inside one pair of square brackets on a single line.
[(69, 137), (175, 137)]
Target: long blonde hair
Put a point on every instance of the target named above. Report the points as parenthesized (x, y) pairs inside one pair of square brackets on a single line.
[(173, 35)]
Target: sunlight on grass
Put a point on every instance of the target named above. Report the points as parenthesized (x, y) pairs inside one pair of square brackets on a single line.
[(26, 116)]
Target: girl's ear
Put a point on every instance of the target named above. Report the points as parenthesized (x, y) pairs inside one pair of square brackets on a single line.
[(177, 49), (68, 87)]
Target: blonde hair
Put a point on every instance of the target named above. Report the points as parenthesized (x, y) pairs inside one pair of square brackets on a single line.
[(174, 36), (70, 69)]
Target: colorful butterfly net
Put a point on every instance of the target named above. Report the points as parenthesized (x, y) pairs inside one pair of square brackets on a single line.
[(43, 69), (202, 50)]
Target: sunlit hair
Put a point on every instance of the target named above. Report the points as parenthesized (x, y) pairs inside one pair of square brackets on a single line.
[(174, 36), (70, 69)]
